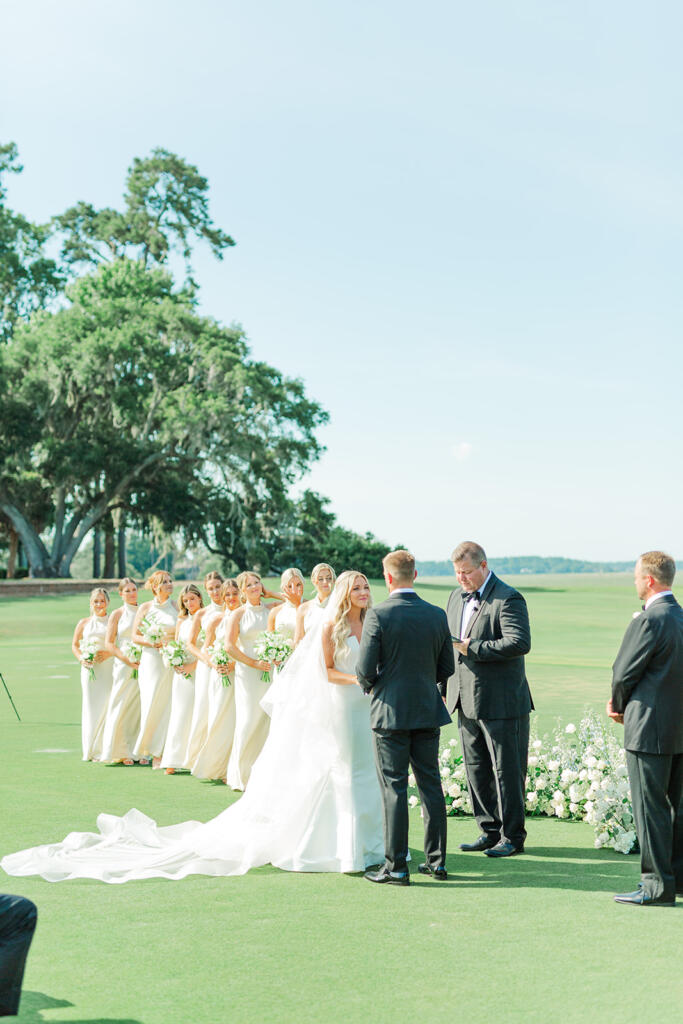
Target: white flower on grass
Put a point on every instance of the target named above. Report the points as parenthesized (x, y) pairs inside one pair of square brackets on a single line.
[(590, 761), (559, 810), (411, 779), (533, 761), (573, 808), (601, 765), (413, 800), (553, 765), (532, 799), (583, 775), (570, 728), (624, 842), (454, 790), (453, 742), (537, 744)]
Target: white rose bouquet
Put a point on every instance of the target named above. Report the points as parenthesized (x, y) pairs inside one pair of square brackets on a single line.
[(134, 652), (219, 655), (90, 646), (272, 646), (152, 630), (175, 655)]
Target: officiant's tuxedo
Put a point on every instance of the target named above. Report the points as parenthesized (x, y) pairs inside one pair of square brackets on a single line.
[(647, 688), (405, 652), (489, 688)]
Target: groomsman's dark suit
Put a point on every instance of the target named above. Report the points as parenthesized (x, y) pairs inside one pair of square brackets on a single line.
[(647, 688), (405, 651), (490, 690), (18, 918)]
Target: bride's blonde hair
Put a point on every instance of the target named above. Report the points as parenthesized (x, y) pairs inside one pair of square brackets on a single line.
[(342, 594)]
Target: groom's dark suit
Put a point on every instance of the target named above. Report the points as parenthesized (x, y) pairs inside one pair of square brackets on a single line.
[(490, 690), (647, 688), (405, 651)]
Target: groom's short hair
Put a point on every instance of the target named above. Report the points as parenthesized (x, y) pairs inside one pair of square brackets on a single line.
[(659, 565), (469, 550), (400, 565)]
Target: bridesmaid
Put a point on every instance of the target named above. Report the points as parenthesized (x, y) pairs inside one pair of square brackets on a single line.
[(251, 722), (213, 581), (123, 714), (322, 578), (283, 616), (190, 605), (154, 678), (96, 677), (212, 762)]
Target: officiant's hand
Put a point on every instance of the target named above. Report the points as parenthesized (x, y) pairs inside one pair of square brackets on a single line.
[(462, 645), (614, 715)]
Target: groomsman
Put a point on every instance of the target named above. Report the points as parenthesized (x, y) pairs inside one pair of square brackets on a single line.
[(647, 696), (18, 918), (489, 624)]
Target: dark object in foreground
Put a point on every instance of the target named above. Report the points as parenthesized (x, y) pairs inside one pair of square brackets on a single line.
[(479, 845), (640, 898), (440, 874), (504, 849), (18, 917), (390, 877)]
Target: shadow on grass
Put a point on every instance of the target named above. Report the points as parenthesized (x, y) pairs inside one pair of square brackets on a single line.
[(33, 1003)]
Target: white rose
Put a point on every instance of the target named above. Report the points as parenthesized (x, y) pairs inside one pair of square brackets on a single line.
[(590, 761), (533, 761), (570, 728), (553, 765), (532, 798), (560, 811), (537, 744), (601, 765), (413, 800), (573, 808), (583, 775)]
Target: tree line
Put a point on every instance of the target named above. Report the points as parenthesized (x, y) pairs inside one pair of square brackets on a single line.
[(125, 409)]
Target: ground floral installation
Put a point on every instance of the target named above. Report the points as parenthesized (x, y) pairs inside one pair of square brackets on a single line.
[(578, 774)]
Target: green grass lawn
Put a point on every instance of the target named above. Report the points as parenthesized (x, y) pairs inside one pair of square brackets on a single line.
[(535, 939)]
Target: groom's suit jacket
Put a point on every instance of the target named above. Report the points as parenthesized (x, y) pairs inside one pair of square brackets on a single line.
[(647, 679), (405, 652), (490, 681)]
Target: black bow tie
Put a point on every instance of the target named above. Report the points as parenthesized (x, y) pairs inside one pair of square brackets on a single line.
[(474, 596)]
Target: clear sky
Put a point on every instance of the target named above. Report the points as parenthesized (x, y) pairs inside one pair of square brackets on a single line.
[(459, 223)]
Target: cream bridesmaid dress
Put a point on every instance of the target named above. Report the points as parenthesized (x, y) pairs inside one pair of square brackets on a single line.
[(182, 702), (212, 762), (200, 710), (155, 682), (96, 685), (251, 721), (123, 714)]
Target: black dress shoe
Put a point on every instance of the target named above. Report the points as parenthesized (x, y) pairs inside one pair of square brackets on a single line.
[(482, 843), (504, 849), (640, 898), (390, 877), (440, 874)]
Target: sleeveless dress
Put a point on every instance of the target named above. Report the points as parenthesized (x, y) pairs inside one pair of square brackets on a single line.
[(182, 702), (313, 802), (200, 710), (123, 713), (315, 610), (155, 689), (96, 686), (251, 721), (212, 762)]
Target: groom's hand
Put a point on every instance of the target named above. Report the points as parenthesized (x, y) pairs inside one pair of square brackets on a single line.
[(462, 645)]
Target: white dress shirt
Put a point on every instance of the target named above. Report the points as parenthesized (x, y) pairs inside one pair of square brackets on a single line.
[(662, 593), (469, 609)]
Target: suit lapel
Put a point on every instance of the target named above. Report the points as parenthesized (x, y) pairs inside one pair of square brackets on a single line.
[(483, 597)]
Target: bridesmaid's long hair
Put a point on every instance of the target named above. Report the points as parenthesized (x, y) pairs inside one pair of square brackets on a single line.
[(242, 581), (228, 585), (342, 594), (94, 593), (155, 578), (189, 588)]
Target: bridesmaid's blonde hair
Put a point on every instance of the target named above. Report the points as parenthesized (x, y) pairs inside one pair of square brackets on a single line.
[(242, 581), (189, 588), (155, 579), (98, 590), (342, 594), (317, 569), (290, 574), (230, 584), (124, 583)]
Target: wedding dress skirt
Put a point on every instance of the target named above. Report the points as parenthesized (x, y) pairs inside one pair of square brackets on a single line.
[(312, 804)]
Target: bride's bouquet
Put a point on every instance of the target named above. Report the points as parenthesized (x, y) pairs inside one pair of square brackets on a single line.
[(219, 655), (272, 646), (152, 630), (175, 655), (90, 646), (132, 651)]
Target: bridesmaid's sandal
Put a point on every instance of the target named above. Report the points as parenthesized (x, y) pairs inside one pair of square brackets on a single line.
[(128, 761), (144, 761), (156, 763), (170, 771)]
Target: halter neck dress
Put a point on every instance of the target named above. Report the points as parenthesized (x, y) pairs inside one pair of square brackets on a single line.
[(123, 713)]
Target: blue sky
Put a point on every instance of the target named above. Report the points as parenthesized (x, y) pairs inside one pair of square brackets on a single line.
[(462, 227)]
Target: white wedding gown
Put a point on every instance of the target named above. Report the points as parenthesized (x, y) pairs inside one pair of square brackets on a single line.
[(312, 804)]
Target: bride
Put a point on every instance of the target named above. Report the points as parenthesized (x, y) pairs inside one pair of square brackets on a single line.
[(312, 803)]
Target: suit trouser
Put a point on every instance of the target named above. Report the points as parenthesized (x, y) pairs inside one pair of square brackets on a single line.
[(656, 794), (18, 918), (496, 751), (396, 751)]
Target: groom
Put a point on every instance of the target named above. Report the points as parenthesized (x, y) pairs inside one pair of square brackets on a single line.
[(405, 652)]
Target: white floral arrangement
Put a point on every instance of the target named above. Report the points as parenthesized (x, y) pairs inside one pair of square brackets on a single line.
[(578, 774), (175, 655), (133, 652), (90, 646), (272, 646), (152, 630), (219, 655), (201, 637)]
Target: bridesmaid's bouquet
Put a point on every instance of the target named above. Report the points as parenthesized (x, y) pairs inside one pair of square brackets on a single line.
[(175, 655), (132, 651), (272, 646), (219, 655), (201, 637), (152, 630), (90, 646)]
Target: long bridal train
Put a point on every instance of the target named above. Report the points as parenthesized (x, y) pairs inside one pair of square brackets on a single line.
[(312, 803)]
